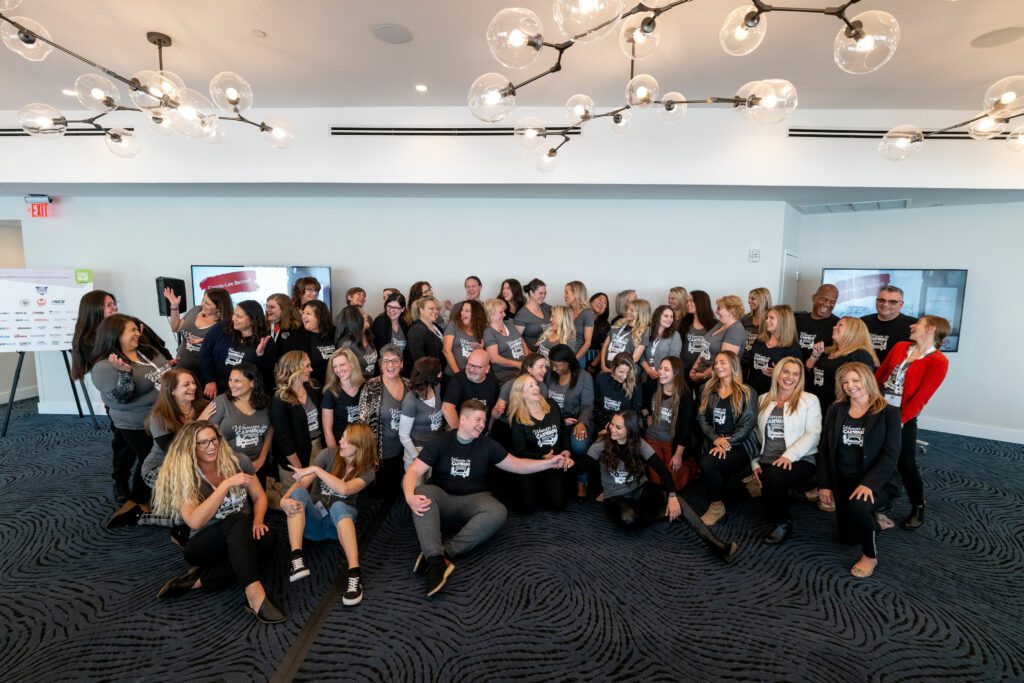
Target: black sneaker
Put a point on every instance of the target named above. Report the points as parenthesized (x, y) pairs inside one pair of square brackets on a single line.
[(297, 569), (179, 585), (353, 590), (438, 571)]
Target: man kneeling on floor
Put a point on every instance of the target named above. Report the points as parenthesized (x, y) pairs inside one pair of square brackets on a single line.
[(456, 497)]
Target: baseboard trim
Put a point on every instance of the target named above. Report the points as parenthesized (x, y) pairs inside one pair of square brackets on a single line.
[(31, 391), (971, 429)]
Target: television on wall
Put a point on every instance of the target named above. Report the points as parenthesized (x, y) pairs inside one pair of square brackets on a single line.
[(925, 292), (257, 282)]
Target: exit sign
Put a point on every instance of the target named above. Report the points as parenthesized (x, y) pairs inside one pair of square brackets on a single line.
[(39, 210)]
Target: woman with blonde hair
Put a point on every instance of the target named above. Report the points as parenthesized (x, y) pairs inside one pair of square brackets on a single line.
[(340, 406), (629, 334), (502, 341), (759, 300), (859, 451), (425, 336), (322, 504), (575, 295), (677, 297), (778, 339), (728, 416), (218, 495), (788, 427), (538, 433), (727, 335), (851, 343), (559, 330), (294, 415)]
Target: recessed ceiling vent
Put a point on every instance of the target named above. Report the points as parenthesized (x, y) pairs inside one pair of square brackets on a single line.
[(853, 207)]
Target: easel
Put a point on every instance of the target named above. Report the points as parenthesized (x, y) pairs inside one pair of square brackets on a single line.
[(74, 391)]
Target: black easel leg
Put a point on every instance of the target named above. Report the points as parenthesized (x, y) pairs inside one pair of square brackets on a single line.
[(88, 403), (14, 389), (67, 365)]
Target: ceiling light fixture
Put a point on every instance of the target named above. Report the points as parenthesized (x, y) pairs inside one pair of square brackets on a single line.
[(515, 38), (161, 96), (422, 87)]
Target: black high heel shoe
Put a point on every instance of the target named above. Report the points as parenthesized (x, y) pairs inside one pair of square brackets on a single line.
[(915, 519)]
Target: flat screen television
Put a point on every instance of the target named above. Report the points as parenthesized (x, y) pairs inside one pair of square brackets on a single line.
[(925, 292), (257, 282)]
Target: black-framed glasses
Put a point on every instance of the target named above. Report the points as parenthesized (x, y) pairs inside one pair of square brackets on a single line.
[(203, 444), (891, 302)]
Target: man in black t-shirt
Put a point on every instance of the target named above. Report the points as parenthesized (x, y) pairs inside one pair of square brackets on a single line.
[(475, 382), (456, 496), (888, 327), (816, 324)]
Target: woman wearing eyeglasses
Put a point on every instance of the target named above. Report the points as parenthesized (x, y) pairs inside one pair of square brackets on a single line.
[(390, 327), (304, 290), (218, 495), (380, 406)]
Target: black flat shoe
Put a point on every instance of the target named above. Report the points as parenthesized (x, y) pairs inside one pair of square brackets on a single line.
[(179, 585), (268, 613), (779, 534), (727, 553), (127, 515), (916, 518)]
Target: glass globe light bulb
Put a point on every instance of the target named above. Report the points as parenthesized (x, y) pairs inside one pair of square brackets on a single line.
[(900, 142), (514, 37), (546, 160), (122, 142), (576, 17), (42, 121), (189, 117), (986, 128), (490, 98), (737, 37), (673, 107), (213, 131), (635, 41), (619, 123), (231, 93), (641, 91), (529, 132), (8, 5), (775, 99), (1015, 140), (579, 109), (153, 86), (1005, 97), (278, 132), (159, 120), (24, 44), (871, 47), (97, 93)]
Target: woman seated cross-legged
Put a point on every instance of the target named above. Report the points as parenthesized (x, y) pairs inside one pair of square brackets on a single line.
[(630, 500), (218, 495), (538, 433), (321, 506)]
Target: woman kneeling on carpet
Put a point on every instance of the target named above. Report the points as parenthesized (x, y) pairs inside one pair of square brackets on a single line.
[(211, 487), (630, 500), (338, 474), (859, 449)]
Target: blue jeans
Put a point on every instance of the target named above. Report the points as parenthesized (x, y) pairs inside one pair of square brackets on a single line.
[(319, 527), (578, 450)]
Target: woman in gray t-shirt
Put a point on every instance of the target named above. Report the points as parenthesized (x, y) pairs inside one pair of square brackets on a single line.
[(421, 419), (727, 335), (243, 414), (502, 341), (463, 335), (193, 326)]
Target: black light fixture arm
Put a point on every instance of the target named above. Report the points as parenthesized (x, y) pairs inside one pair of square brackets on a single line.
[(761, 7)]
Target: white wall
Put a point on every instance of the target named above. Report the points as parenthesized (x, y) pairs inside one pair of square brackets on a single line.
[(981, 394), (12, 255), (648, 245)]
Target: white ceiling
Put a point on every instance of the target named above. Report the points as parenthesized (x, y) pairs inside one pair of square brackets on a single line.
[(321, 53)]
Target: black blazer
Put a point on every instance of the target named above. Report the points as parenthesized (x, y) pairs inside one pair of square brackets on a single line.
[(422, 342), (382, 330), (882, 441), (291, 430)]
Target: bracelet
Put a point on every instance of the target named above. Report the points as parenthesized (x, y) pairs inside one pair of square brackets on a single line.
[(175, 309)]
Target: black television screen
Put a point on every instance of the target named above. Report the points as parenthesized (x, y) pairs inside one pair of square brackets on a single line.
[(925, 292), (257, 282)]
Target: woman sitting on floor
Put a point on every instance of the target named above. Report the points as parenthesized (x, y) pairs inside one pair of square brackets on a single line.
[(630, 500), (538, 433), (218, 495), (328, 510)]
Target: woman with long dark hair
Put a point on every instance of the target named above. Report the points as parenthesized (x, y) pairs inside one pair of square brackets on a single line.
[(512, 294), (630, 500), (616, 390), (464, 334), (910, 375), (128, 374), (317, 339), (215, 307), (93, 308), (663, 341), (218, 495), (693, 328), (353, 333), (390, 327), (728, 418), (727, 335), (304, 290), (599, 305), (572, 390), (418, 290), (669, 416), (857, 459), (422, 419), (243, 415), (245, 338), (531, 319)]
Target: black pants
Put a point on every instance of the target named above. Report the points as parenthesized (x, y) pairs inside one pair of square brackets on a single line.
[(718, 471), (856, 518), (131, 446), (388, 482), (527, 492), (907, 464), (646, 504), (227, 553), (776, 483)]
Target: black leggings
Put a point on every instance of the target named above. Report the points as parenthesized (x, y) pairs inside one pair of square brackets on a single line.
[(226, 552), (907, 464), (131, 446), (856, 518), (527, 492), (776, 484), (388, 482), (646, 504), (718, 471)]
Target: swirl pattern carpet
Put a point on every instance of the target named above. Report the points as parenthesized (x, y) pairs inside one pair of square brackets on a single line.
[(553, 597)]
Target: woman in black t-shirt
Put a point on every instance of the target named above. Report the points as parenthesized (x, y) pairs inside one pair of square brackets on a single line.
[(538, 433), (353, 332), (340, 406), (778, 340), (851, 343), (599, 305), (317, 338)]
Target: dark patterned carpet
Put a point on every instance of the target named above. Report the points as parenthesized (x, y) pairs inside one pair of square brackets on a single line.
[(553, 597)]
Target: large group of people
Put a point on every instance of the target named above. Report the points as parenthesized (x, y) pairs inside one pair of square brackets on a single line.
[(469, 408)]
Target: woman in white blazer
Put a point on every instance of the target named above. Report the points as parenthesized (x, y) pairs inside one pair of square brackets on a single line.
[(788, 428)]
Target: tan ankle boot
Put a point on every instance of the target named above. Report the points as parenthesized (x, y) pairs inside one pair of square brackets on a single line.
[(715, 512)]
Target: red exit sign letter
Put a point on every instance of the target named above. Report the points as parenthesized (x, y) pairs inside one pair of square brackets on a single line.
[(39, 210)]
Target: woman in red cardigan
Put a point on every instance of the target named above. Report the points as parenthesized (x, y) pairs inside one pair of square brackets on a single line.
[(909, 376)]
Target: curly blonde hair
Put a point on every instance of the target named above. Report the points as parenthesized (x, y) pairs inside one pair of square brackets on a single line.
[(517, 408), (289, 366), (178, 482)]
